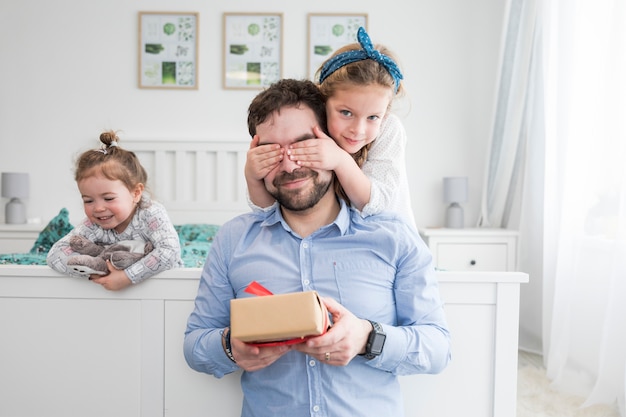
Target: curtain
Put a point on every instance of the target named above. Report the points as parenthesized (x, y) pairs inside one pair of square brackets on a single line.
[(513, 186), (507, 151), (585, 198)]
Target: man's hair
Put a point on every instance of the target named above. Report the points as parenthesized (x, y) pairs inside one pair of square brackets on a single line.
[(286, 93)]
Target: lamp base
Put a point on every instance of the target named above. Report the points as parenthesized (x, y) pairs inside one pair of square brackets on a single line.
[(454, 216), (15, 212)]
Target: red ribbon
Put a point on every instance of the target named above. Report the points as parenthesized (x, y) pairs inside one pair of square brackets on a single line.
[(257, 289)]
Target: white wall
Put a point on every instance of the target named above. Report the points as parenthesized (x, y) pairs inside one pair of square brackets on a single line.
[(69, 70)]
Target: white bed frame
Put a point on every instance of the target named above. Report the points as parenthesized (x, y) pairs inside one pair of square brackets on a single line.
[(71, 348), (198, 181)]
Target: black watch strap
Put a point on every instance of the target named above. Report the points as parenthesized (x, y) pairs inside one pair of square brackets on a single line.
[(375, 341)]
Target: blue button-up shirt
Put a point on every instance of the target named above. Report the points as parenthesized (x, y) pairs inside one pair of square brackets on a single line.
[(377, 267)]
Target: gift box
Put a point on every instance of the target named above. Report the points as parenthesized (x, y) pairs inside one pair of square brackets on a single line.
[(278, 319)]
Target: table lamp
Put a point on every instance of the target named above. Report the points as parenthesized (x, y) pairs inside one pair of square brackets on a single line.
[(15, 185), (454, 192)]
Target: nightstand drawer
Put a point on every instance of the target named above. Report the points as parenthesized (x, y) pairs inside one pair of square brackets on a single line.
[(472, 249), (472, 257), (18, 238)]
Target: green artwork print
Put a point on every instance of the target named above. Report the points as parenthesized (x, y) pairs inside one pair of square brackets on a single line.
[(254, 73), (253, 29), (168, 74), (338, 30), (168, 50), (169, 28), (252, 50), (154, 48)]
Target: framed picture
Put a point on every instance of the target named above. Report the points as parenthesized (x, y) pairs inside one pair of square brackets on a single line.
[(329, 32), (252, 49), (168, 50)]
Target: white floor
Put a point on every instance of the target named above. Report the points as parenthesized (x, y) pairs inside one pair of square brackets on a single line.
[(535, 397), (525, 358)]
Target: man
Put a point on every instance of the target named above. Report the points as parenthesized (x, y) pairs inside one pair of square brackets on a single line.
[(375, 276)]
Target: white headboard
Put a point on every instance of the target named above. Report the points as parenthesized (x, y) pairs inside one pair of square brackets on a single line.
[(198, 180)]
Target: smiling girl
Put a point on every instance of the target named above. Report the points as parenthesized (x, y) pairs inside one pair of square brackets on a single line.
[(366, 147), (111, 182)]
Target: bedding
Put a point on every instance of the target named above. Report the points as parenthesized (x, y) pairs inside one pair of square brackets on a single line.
[(195, 242)]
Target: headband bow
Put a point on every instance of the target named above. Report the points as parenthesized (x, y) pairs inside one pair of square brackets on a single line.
[(368, 52)]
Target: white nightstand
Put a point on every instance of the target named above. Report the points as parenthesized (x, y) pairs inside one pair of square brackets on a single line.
[(473, 249), (18, 238)]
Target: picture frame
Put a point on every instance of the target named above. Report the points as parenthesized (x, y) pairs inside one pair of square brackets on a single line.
[(168, 50), (329, 32), (253, 49)]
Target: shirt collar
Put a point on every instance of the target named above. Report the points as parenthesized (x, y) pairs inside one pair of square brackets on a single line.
[(342, 221)]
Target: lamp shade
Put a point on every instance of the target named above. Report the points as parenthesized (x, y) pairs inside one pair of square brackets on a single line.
[(15, 185), (455, 189)]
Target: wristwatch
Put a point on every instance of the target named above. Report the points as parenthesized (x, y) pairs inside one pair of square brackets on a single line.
[(375, 341)]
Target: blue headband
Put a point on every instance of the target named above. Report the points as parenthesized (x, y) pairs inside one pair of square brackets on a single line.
[(368, 52)]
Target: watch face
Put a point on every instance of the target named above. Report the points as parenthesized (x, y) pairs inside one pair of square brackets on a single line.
[(377, 344), (375, 341)]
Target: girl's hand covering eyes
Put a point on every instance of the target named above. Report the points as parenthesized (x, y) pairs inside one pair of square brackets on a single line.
[(262, 159), (319, 153)]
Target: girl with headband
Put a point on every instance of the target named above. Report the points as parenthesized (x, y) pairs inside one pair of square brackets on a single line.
[(367, 144)]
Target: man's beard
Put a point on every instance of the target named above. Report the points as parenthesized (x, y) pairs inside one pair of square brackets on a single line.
[(298, 200)]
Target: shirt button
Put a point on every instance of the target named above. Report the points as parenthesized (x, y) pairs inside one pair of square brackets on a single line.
[(307, 282), (316, 408), (311, 362), (305, 245)]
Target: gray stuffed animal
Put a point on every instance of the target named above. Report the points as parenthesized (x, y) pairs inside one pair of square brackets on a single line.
[(92, 257)]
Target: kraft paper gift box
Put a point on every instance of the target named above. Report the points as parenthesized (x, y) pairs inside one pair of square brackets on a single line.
[(278, 319)]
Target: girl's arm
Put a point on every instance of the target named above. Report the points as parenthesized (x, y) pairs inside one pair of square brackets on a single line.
[(354, 182), (385, 166), (153, 224), (260, 160), (61, 251), (324, 153)]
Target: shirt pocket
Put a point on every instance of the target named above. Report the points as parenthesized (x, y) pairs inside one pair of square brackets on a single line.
[(365, 287)]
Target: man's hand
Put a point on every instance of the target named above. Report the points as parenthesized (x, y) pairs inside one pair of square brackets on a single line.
[(252, 358), (345, 339)]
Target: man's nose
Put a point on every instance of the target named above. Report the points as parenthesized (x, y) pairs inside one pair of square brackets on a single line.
[(288, 165)]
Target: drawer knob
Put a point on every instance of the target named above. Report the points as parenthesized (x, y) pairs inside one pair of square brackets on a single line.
[(472, 262)]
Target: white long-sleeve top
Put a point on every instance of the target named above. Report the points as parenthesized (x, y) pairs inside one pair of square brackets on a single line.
[(386, 168)]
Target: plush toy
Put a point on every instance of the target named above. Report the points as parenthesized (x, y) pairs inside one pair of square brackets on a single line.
[(92, 256)]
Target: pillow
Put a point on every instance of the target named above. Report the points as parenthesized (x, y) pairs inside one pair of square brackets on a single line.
[(195, 242), (23, 259), (194, 254), (58, 227), (193, 232)]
